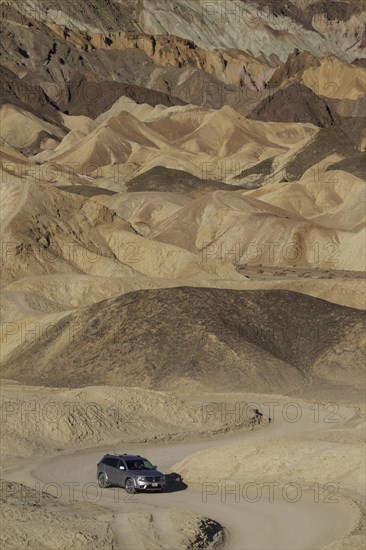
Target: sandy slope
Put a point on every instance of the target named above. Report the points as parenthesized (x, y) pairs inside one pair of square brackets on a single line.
[(336, 79), (249, 525), (234, 31), (26, 132), (154, 237), (328, 77), (265, 340), (198, 137), (235, 228), (43, 521), (100, 415)]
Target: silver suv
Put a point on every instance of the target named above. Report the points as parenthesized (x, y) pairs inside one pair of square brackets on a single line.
[(133, 472)]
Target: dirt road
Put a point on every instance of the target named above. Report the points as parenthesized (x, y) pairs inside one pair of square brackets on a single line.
[(252, 522)]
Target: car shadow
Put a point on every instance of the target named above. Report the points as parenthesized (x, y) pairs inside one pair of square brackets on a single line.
[(174, 483)]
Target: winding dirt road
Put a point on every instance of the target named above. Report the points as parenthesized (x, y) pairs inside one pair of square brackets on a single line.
[(304, 524)]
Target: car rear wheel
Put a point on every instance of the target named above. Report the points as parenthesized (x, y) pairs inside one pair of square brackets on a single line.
[(130, 487), (102, 481)]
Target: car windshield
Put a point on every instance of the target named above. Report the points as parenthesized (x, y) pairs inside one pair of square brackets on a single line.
[(139, 464)]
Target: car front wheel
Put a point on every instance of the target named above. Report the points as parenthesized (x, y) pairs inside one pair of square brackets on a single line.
[(130, 487), (102, 481)]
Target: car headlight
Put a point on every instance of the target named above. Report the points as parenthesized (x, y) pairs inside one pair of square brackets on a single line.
[(141, 478), (162, 478)]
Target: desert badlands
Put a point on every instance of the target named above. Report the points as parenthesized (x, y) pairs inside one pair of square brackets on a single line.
[(183, 274)]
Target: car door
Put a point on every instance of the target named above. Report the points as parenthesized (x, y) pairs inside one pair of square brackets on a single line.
[(114, 471), (121, 473), (107, 468), (110, 469)]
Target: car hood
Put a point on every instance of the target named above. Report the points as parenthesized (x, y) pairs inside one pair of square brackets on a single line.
[(147, 473)]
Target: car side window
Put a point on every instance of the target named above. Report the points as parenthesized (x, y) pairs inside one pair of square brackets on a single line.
[(109, 461), (121, 463)]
